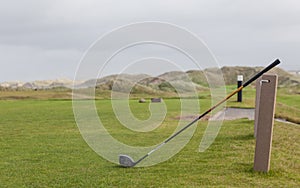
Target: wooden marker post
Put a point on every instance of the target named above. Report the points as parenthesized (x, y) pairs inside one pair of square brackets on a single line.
[(257, 86), (265, 121)]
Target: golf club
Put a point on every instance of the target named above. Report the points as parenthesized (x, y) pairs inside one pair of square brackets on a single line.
[(127, 161)]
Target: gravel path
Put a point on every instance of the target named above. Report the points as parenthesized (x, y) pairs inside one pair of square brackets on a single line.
[(234, 113)]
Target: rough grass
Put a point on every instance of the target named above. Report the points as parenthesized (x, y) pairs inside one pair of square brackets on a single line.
[(42, 147), (287, 102), (39, 94)]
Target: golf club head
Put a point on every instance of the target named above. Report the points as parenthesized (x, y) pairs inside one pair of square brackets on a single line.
[(126, 161)]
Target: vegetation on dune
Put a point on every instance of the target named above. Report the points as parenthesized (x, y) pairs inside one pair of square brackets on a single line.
[(210, 77), (284, 78)]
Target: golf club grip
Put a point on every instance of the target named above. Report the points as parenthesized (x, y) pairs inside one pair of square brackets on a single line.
[(276, 62)]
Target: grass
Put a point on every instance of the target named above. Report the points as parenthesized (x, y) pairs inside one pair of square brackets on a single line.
[(39, 94), (287, 102), (288, 105), (41, 147)]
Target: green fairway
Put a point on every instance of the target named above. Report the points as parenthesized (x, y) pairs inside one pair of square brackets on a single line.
[(41, 146)]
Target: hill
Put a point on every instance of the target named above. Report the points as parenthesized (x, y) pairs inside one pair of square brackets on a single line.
[(186, 81), (170, 82), (284, 78)]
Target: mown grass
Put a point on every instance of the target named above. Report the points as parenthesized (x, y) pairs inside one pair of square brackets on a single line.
[(41, 147)]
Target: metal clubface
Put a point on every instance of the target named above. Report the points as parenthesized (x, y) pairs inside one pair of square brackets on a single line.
[(126, 161)]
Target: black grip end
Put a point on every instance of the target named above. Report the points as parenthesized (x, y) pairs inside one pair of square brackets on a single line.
[(275, 63)]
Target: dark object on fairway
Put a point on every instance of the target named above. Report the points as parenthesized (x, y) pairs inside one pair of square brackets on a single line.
[(142, 100), (127, 161), (156, 99)]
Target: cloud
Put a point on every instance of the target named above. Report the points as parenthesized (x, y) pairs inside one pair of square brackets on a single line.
[(238, 32), (27, 63)]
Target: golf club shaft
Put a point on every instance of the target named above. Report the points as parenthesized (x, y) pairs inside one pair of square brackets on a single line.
[(276, 62)]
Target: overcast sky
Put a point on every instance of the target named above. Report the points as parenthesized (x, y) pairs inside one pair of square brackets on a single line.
[(46, 39)]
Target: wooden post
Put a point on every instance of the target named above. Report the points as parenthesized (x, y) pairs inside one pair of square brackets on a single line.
[(257, 86), (265, 121)]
